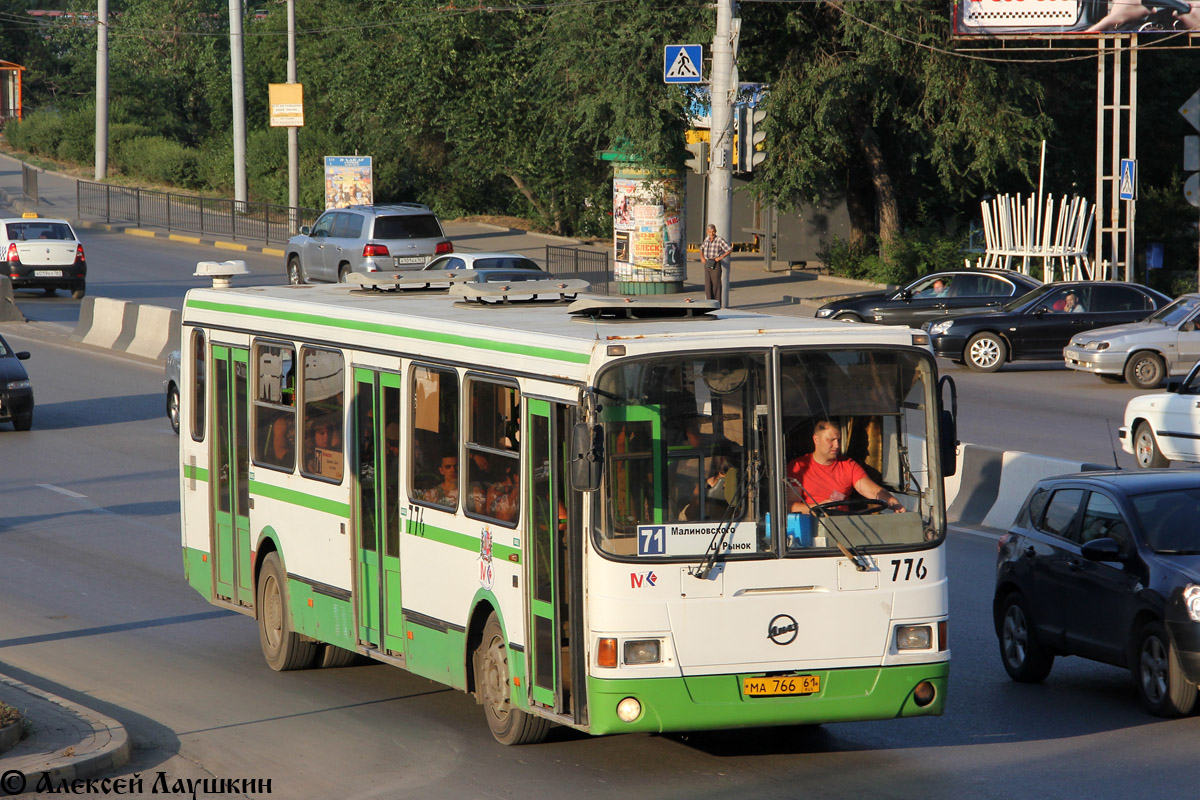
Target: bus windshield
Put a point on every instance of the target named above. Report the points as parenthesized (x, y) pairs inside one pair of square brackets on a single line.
[(698, 447)]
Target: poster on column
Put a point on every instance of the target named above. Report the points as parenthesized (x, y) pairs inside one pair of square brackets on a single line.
[(648, 228)]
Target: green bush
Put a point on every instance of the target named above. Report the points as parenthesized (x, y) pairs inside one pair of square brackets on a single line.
[(159, 160), (39, 133), (913, 253), (78, 141)]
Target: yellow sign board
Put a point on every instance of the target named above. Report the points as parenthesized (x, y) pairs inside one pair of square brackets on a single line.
[(287, 105)]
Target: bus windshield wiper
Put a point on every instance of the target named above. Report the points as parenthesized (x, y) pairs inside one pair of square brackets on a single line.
[(732, 513), (861, 562)]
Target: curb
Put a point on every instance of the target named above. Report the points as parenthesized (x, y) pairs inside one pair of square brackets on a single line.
[(146, 233), (50, 746)]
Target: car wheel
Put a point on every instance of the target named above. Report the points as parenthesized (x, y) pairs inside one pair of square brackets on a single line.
[(1025, 660), (79, 290), (1145, 370), (51, 291), (1158, 676), (494, 691), (848, 316), (23, 423), (1145, 448), (282, 647), (295, 272), (985, 352), (173, 408)]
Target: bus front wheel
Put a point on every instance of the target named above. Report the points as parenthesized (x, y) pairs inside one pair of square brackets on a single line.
[(493, 690), (283, 648)]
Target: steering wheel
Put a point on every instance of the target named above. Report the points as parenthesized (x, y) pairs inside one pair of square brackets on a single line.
[(859, 505)]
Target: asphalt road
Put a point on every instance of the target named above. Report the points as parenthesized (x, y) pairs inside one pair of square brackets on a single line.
[(96, 609)]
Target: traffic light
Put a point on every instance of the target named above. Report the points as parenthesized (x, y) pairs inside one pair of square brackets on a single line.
[(698, 163), (750, 138)]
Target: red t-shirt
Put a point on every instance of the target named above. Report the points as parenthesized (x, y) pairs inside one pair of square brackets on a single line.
[(824, 483)]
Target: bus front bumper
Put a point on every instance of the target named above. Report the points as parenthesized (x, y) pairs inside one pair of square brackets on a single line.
[(712, 702)]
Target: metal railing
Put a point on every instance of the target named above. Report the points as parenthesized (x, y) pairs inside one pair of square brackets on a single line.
[(191, 213), (574, 262)]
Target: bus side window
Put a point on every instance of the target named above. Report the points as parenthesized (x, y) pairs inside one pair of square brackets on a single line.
[(199, 356), (493, 451), (274, 421), (324, 412), (435, 418)]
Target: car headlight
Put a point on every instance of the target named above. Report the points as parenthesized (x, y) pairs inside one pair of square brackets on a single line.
[(824, 312), (17, 384), (1191, 601), (1095, 344), (938, 328), (642, 651), (914, 637)]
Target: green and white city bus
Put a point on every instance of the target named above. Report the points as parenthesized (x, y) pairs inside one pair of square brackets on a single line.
[(578, 512)]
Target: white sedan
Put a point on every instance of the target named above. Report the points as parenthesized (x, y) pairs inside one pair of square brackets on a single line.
[(43, 254), (1164, 427)]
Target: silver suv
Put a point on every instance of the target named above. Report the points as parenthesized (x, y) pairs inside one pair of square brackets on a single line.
[(365, 239)]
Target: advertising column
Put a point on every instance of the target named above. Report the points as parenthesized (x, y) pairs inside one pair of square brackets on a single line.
[(649, 233)]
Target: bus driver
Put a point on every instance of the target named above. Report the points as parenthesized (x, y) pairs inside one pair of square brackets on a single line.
[(823, 476)]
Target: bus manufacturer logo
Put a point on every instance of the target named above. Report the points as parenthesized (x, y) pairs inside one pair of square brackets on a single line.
[(782, 629), (639, 579)]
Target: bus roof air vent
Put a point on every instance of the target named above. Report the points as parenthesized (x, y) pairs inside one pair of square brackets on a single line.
[(619, 309), (418, 280), (502, 293)]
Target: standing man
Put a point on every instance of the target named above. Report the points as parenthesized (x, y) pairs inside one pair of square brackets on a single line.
[(713, 252)]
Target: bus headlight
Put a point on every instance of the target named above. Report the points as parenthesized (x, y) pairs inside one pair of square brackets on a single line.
[(642, 651), (914, 637), (629, 710)]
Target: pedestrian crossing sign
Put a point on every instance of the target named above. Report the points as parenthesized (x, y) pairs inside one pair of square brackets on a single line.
[(1128, 185), (682, 63)]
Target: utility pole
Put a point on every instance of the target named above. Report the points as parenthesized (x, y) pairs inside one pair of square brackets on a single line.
[(101, 90), (293, 131), (722, 92), (236, 39)]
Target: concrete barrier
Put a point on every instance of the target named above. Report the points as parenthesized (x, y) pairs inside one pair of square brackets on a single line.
[(8, 307), (146, 331)]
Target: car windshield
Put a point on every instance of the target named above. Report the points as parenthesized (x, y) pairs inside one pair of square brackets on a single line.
[(1168, 518), (1176, 312), (23, 231), (1028, 297), (407, 226), (505, 262)]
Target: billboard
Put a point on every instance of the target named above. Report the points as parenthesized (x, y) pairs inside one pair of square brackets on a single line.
[(348, 181), (1072, 17)]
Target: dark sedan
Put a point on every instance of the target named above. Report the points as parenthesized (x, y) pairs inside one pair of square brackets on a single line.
[(931, 297), (16, 395), (1039, 324), (1106, 565)]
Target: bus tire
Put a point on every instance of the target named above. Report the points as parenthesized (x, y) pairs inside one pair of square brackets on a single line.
[(283, 648), (493, 690), (332, 656)]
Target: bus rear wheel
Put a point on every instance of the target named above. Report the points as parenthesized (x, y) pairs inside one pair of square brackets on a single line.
[(283, 648), (493, 690)]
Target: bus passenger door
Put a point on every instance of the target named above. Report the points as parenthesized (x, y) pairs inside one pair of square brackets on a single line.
[(554, 624), (377, 486), (232, 568)]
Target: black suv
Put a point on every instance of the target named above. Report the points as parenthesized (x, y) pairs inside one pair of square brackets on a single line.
[(366, 239), (1106, 565)]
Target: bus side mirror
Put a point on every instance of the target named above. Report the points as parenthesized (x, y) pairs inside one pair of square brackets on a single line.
[(948, 428), (586, 457)]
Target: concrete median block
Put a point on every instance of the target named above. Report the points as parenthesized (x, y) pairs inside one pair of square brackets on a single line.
[(102, 321), (972, 492), (1020, 472), (8, 306), (155, 332)]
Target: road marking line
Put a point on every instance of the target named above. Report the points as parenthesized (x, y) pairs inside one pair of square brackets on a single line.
[(61, 490)]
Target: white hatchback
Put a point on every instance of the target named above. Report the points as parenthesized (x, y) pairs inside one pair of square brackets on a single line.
[(1164, 427), (43, 254)]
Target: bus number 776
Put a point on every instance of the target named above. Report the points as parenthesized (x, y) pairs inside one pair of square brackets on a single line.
[(911, 567)]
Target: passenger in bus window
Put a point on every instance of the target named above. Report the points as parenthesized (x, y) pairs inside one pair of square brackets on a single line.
[(446, 492), (282, 449), (503, 497), (825, 476)]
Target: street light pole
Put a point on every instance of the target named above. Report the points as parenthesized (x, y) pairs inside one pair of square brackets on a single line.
[(237, 70), (101, 168), (721, 94), (293, 132)]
